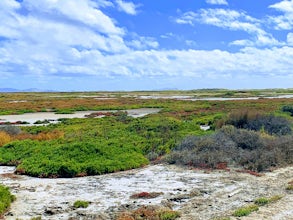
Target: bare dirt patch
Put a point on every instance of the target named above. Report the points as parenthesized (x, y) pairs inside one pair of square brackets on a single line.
[(195, 194)]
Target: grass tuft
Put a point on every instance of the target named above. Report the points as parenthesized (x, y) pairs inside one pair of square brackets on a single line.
[(80, 204), (244, 211)]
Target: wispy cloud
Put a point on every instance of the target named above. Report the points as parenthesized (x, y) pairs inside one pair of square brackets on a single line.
[(290, 39), (285, 21), (217, 2), (142, 43), (127, 7), (231, 20)]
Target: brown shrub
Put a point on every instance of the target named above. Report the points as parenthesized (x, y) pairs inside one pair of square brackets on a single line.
[(4, 138)]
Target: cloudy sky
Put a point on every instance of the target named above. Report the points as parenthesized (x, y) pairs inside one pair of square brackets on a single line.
[(146, 44)]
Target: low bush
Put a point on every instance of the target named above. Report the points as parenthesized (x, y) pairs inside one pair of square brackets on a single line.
[(57, 159), (230, 145), (80, 204), (262, 201), (4, 138), (5, 199), (251, 120), (288, 108), (168, 215), (149, 212), (244, 211)]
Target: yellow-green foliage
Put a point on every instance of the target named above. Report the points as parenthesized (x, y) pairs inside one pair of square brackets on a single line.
[(261, 201), (244, 211), (168, 215), (81, 204), (5, 199)]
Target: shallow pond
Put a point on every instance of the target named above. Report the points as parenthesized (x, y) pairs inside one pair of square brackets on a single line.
[(31, 118)]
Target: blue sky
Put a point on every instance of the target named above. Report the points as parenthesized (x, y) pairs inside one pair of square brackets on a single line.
[(146, 44)]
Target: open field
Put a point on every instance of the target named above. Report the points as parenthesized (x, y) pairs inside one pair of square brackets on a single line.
[(103, 133)]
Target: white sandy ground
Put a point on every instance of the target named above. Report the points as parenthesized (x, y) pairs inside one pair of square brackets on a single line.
[(33, 117), (196, 194)]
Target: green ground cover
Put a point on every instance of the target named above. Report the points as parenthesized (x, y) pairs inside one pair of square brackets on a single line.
[(117, 142)]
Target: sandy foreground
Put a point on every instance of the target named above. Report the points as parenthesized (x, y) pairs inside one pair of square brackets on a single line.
[(196, 194)]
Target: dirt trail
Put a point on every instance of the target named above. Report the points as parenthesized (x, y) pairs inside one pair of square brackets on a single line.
[(196, 194)]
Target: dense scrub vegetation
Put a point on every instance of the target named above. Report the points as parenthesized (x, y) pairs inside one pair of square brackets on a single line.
[(252, 120), (78, 147), (251, 140), (256, 138), (5, 199)]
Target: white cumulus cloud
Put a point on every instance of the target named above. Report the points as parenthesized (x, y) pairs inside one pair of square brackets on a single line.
[(231, 20), (127, 7), (284, 21)]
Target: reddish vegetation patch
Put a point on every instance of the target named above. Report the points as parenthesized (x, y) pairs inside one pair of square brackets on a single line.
[(291, 182), (149, 213), (97, 114), (250, 172), (83, 174), (9, 176), (222, 166), (145, 195)]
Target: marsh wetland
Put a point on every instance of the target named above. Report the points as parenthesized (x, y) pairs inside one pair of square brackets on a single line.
[(143, 155)]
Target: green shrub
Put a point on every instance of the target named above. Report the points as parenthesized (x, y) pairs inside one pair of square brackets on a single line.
[(168, 215), (5, 199), (289, 187), (244, 211), (81, 204), (261, 201), (288, 108)]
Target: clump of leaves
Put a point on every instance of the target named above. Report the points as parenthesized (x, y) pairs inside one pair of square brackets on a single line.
[(168, 215), (244, 211), (6, 198), (81, 204), (261, 201)]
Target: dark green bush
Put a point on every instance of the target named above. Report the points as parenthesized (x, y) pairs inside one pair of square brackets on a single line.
[(288, 108), (273, 125)]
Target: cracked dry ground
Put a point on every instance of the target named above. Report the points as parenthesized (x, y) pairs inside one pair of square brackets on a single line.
[(195, 194)]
